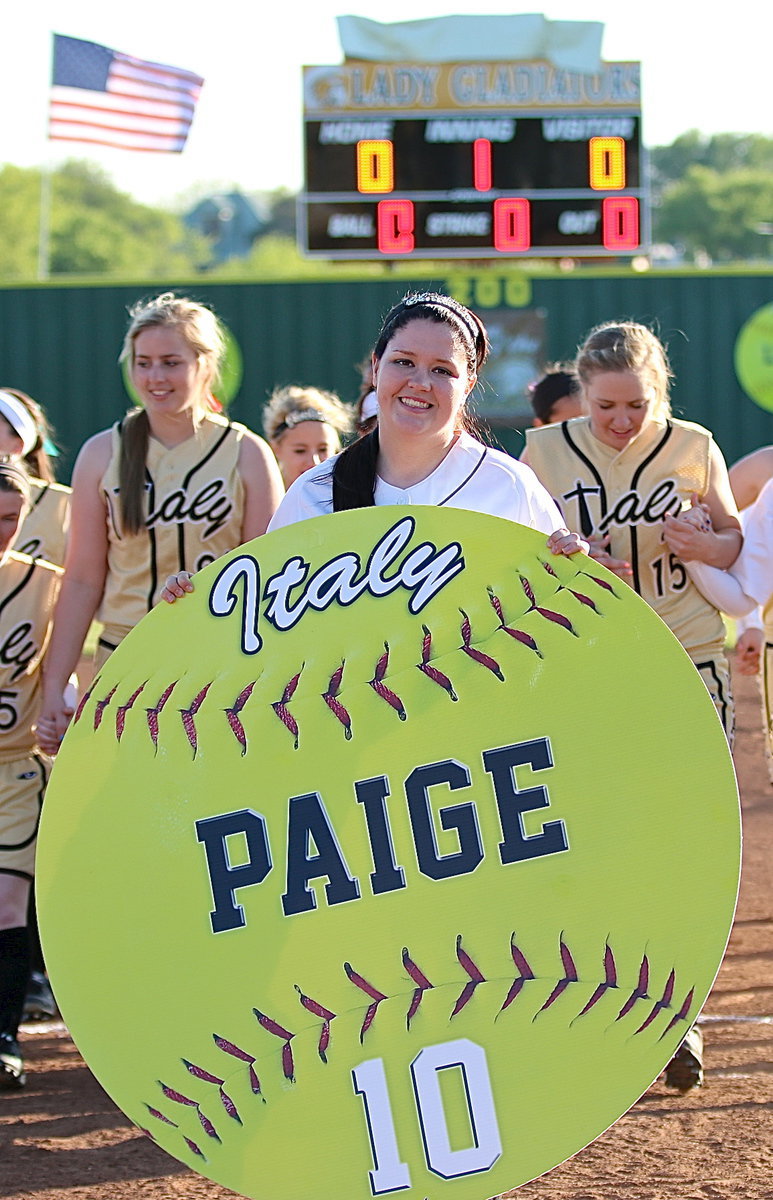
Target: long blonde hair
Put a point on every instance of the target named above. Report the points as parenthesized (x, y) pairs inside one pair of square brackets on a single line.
[(627, 346), (201, 330)]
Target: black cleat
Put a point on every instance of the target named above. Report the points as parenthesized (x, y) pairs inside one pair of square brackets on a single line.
[(685, 1071), (12, 1075), (39, 1003)]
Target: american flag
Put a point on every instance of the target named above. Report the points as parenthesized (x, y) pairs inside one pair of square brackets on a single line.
[(107, 98)]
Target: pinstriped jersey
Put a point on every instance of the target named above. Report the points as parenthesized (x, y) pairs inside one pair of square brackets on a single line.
[(28, 590), (754, 566), (44, 530), (626, 494), (194, 503)]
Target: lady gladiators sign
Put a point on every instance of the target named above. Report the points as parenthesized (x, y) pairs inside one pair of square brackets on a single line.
[(381, 917)]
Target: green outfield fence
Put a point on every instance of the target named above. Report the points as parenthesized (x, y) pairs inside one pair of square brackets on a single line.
[(60, 343)]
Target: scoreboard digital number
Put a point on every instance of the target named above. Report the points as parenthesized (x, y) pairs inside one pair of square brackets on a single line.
[(476, 181)]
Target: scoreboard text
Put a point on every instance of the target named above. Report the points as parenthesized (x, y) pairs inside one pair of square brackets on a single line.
[(458, 183)]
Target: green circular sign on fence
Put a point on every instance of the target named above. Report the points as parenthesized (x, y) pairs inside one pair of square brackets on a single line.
[(754, 357)]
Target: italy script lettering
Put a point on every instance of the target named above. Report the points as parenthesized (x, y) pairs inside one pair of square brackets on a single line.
[(342, 580)]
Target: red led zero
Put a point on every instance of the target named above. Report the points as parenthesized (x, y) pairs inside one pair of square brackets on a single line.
[(481, 164), (395, 223), (512, 224), (620, 222)]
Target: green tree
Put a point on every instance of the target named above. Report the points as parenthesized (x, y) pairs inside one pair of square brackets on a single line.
[(721, 152), (713, 196), (94, 229), (722, 215), (20, 206)]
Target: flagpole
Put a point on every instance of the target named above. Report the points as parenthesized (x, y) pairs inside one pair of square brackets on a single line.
[(44, 224), (44, 220)]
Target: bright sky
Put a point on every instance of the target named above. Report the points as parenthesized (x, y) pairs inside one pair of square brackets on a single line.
[(698, 71)]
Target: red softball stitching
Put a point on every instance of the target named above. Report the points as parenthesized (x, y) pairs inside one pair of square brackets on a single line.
[(154, 1112), (319, 1010), (283, 712), (99, 711), (334, 704), (525, 638), (122, 710), (392, 699), (431, 672), (369, 990), (660, 1005), (188, 718), (680, 1015), (570, 976), (525, 975), (549, 614), (610, 980), (562, 587), (232, 714), (84, 700), (244, 1056), (422, 985), (154, 713), (640, 991), (477, 656), (225, 1099), (279, 1031), (603, 583), (178, 1098), (476, 977)]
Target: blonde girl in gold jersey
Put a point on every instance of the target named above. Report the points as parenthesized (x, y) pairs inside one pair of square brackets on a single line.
[(26, 434), (27, 593), (624, 475), (171, 487)]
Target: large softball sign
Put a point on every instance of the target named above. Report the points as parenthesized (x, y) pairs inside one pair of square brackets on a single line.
[(364, 869)]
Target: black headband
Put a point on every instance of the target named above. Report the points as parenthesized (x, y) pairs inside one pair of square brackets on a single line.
[(432, 300)]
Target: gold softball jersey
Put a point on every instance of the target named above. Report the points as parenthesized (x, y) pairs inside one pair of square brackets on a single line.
[(194, 510), (626, 494), (28, 590), (44, 530)]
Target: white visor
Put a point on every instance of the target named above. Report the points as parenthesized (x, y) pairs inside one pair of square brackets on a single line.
[(369, 407), (20, 420)]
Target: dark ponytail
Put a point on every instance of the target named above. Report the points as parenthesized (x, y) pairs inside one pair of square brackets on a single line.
[(354, 474)]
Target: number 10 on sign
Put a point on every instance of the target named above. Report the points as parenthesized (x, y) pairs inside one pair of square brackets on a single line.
[(468, 1060)]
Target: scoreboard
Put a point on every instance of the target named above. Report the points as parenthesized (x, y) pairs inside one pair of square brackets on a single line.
[(472, 160)]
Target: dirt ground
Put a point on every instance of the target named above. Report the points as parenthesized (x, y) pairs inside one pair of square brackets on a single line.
[(63, 1138)]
